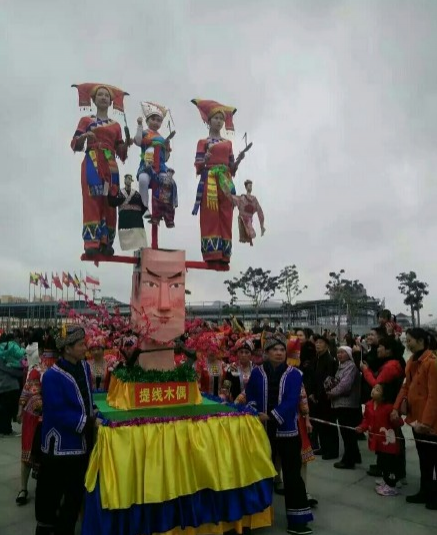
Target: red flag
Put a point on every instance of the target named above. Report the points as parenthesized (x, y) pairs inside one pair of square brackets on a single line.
[(65, 279), (92, 280), (57, 281)]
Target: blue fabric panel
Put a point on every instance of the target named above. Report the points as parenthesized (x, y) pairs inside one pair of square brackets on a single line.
[(203, 507)]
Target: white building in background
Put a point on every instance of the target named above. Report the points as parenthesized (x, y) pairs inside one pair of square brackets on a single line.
[(403, 320)]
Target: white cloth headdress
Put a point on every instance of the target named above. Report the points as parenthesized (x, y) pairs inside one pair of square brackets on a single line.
[(150, 108), (32, 355)]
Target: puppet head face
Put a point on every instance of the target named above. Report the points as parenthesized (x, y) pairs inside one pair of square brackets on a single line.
[(158, 289), (128, 181), (248, 186)]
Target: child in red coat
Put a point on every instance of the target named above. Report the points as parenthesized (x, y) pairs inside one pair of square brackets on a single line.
[(382, 439)]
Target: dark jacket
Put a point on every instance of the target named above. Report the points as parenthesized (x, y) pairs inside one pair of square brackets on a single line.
[(326, 366), (372, 358), (10, 378), (68, 416), (308, 361), (374, 363)]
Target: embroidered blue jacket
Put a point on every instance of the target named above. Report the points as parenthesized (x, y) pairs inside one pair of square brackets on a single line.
[(287, 409), (64, 412)]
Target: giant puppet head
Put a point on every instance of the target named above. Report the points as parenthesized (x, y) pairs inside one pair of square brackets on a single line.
[(158, 291)]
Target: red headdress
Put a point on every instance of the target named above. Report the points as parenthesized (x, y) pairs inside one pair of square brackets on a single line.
[(208, 108), (130, 341), (88, 91), (244, 343), (293, 350), (96, 341)]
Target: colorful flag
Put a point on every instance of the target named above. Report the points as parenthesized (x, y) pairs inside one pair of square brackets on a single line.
[(92, 280), (34, 278), (70, 279), (76, 281), (57, 281), (65, 279), (46, 282)]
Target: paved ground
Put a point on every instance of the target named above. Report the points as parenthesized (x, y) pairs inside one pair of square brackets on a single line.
[(348, 503)]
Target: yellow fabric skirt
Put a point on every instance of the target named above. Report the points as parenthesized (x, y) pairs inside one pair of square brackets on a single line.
[(157, 462)]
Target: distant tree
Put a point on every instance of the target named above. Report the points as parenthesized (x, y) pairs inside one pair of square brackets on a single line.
[(414, 291), (350, 295), (256, 284), (289, 286)]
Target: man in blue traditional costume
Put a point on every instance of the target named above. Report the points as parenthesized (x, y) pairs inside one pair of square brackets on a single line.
[(274, 391), (66, 437)]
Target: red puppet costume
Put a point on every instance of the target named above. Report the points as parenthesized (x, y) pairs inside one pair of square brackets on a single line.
[(98, 365), (239, 372), (211, 370), (215, 165), (99, 175)]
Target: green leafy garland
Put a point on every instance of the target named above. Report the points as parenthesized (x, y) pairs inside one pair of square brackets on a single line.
[(184, 373)]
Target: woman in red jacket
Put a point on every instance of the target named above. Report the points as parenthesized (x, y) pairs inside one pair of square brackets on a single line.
[(391, 372), (391, 369)]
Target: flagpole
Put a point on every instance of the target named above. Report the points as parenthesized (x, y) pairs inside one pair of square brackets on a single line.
[(80, 285), (39, 305), (51, 297), (28, 306)]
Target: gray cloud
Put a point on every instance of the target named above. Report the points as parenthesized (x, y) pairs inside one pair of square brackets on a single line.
[(339, 98)]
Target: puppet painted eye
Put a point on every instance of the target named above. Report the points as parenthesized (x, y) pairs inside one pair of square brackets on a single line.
[(150, 284), (176, 285)]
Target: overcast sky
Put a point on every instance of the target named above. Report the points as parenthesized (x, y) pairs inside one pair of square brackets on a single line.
[(338, 97)]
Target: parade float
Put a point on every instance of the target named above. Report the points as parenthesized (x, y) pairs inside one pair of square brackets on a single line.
[(167, 459)]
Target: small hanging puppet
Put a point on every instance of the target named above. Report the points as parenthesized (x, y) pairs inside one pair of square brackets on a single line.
[(216, 166), (164, 199), (131, 232), (99, 176), (153, 172), (248, 205)]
